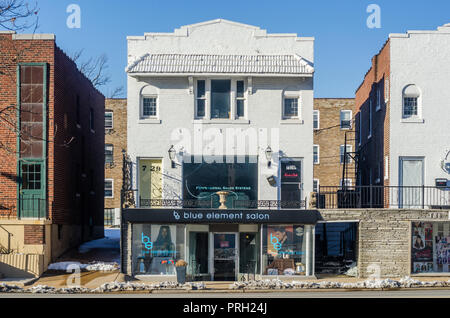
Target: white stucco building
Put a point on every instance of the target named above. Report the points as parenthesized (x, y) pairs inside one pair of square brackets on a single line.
[(213, 91), (403, 124)]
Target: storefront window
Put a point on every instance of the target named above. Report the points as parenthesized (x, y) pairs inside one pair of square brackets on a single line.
[(284, 250), (221, 184), (430, 247), (156, 248)]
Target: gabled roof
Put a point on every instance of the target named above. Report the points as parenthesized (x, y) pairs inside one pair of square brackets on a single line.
[(220, 64)]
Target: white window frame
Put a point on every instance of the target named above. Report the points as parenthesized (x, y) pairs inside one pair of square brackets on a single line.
[(205, 98), (244, 98), (112, 189), (341, 153), (340, 118), (318, 184), (347, 181), (316, 112), (386, 89), (418, 117), (297, 97), (233, 98), (112, 119), (141, 110), (112, 153), (318, 154)]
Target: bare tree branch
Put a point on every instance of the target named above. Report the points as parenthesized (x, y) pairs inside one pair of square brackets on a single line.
[(116, 92), (18, 15), (93, 68)]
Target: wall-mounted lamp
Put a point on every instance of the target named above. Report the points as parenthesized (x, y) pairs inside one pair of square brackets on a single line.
[(269, 156), (172, 153)]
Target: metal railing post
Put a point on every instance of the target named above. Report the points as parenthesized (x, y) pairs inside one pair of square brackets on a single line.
[(423, 196)]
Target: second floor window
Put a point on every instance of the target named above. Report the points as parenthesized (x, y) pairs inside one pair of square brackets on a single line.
[(240, 99), (316, 119), (201, 99), (220, 99), (343, 151), (410, 107), (109, 153), (290, 109), (109, 123), (108, 188), (149, 109), (346, 119), (316, 154)]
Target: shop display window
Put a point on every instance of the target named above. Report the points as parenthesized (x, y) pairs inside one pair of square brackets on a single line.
[(430, 247), (284, 250), (156, 248)]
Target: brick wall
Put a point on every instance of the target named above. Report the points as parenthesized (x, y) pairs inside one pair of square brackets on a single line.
[(375, 149), (118, 138), (384, 237), (13, 52), (34, 234), (330, 137)]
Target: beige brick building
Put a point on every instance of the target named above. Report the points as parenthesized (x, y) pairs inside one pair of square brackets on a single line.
[(333, 118), (115, 143)]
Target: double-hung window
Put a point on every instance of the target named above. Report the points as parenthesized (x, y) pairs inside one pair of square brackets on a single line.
[(109, 153), (149, 107), (316, 119), (290, 107), (370, 119), (109, 120), (316, 154), (346, 119), (240, 99), (200, 111), (345, 153), (109, 188)]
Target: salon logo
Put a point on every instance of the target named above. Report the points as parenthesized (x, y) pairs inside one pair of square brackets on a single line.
[(176, 215), (275, 242), (445, 163), (147, 242)]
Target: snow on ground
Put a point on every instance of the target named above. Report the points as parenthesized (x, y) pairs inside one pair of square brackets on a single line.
[(109, 245), (110, 241), (94, 266)]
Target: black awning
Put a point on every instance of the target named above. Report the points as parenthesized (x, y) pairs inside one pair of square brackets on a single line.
[(208, 216)]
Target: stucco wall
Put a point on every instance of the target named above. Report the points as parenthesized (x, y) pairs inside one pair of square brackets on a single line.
[(421, 58)]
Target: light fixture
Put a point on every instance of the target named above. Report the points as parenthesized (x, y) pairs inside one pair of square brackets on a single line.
[(172, 153), (269, 156)]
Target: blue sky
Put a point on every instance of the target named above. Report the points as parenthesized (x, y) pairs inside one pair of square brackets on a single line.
[(343, 48)]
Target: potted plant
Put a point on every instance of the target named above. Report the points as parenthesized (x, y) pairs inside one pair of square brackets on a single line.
[(180, 266)]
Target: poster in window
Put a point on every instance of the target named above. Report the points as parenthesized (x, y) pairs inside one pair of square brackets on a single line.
[(422, 247), (280, 239)]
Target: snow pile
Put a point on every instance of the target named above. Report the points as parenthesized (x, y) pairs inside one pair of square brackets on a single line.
[(353, 270), (405, 282), (105, 288), (94, 266)]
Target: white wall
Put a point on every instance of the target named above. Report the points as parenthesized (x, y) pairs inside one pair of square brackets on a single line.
[(421, 58), (152, 139)]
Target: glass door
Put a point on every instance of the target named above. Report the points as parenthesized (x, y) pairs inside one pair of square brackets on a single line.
[(32, 203), (224, 256)]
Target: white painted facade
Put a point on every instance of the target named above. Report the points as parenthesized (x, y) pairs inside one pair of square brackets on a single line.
[(421, 58), (176, 124)]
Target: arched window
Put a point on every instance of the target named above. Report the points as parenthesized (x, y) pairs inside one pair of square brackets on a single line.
[(149, 102), (411, 101)]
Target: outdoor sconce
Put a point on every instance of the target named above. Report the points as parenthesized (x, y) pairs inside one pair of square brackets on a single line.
[(272, 181), (172, 152), (269, 156)]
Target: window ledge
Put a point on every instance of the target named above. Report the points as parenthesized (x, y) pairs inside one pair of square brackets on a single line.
[(222, 121), (150, 121), (288, 121), (413, 120)]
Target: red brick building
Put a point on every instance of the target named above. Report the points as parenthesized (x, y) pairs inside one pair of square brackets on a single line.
[(52, 151), (372, 121)]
